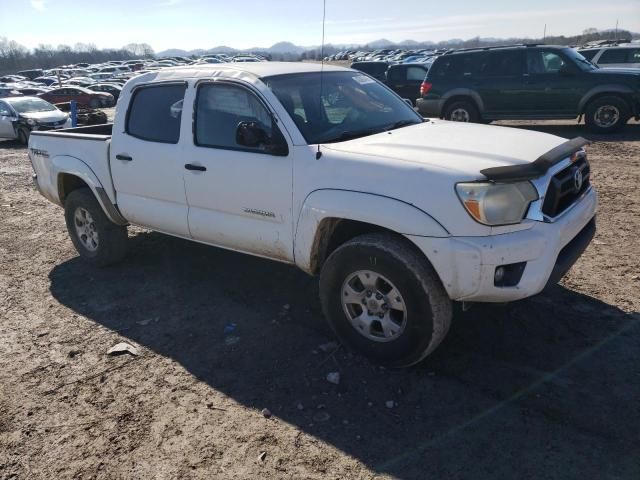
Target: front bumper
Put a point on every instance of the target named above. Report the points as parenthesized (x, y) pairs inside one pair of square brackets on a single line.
[(466, 265)]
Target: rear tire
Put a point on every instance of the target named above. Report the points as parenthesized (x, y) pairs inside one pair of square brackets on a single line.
[(607, 114), (97, 239), (398, 313), (461, 111)]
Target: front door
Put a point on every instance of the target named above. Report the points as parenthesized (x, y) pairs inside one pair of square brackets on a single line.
[(239, 197), (6, 121), (146, 159), (552, 84)]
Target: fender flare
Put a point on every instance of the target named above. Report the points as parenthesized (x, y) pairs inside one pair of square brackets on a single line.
[(64, 164), (603, 89), (399, 216), (463, 92)]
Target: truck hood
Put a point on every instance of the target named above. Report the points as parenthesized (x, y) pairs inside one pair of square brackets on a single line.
[(634, 72), (461, 147)]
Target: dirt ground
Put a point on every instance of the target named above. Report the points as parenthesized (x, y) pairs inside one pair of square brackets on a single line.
[(545, 388)]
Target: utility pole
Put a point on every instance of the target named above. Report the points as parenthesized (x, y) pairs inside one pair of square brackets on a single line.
[(544, 35), (616, 39)]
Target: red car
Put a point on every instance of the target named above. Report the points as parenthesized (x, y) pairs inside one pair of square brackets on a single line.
[(81, 95)]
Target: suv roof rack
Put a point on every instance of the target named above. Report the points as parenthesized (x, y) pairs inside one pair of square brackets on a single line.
[(605, 43), (478, 49)]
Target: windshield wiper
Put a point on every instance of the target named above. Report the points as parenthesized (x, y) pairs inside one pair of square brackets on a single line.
[(351, 134), (400, 124)]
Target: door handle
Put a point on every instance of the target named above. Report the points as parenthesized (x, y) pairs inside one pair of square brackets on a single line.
[(126, 158), (198, 168)]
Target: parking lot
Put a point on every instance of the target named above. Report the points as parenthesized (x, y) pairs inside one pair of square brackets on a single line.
[(544, 388)]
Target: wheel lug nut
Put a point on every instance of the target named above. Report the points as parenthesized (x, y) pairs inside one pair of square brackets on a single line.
[(378, 296), (369, 293), (385, 306)]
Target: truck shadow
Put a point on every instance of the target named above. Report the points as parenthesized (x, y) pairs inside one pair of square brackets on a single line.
[(544, 386)]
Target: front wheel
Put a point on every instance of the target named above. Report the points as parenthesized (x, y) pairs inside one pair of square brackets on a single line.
[(383, 299), (23, 135), (607, 114), (98, 240)]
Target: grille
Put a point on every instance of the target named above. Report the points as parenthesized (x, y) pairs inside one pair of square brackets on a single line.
[(53, 124), (563, 189)]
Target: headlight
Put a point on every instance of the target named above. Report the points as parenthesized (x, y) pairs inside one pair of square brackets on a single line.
[(496, 203), (31, 121)]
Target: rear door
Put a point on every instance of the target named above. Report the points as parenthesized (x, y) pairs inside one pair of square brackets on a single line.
[(405, 80), (239, 197), (146, 159), (500, 82)]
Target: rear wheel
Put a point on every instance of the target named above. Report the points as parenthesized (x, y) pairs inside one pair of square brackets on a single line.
[(98, 240), (384, 300), (461, 111), (607, 114)]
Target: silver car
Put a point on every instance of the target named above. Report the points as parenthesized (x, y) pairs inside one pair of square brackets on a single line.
[(19, 116)]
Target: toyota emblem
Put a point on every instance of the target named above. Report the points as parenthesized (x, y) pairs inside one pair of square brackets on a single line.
[(577, 180)]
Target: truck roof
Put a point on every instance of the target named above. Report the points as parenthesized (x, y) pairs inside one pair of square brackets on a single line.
[(255, 69)]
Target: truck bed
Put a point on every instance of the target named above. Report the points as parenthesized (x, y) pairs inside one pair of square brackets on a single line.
[(91, 132), (83, 151)]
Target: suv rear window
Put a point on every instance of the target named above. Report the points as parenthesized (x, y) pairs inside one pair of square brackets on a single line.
[(614, 55), (503, 63), (155, 113)]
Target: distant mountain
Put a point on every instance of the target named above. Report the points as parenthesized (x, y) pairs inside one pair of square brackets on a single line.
[(284, 47)]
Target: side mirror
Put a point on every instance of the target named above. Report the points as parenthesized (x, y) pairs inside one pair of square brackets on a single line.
[(408, 102), (251, 134)]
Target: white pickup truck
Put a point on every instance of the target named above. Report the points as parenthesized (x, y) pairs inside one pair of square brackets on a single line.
[(333, 172)]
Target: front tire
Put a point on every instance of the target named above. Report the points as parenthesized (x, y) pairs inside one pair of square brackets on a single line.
[(98, 240), (461, 111), (383, 299), (23, 135), (607, 114)]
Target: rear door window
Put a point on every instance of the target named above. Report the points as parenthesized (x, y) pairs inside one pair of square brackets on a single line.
[(396, 74), (155, 113), (457, 65), (505, 63), (613, 55)]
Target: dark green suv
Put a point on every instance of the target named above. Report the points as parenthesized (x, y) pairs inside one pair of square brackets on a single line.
[(529, 82)]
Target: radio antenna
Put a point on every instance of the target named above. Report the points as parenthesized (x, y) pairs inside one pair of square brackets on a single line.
[(324, 16)]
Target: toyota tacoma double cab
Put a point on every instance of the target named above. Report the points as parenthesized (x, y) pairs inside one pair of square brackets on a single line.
[(329, 170), (529, 82)]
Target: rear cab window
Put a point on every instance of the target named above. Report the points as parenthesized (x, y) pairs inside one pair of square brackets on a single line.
[(155, 112)]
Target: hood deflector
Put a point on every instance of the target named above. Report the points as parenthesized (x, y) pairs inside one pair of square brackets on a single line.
[(537, 168)]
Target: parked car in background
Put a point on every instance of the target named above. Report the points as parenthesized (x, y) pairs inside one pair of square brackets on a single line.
[(9, 92), (31, 74), (82, 96), (32, 91), (377, 70), (529, 82), (622, 56), (19, 116), (405, 79), (111, 88)]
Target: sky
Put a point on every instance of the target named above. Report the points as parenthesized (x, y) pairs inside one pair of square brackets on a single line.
[(191, 24)]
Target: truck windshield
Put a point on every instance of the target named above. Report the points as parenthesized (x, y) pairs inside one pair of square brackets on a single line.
[(31, 105), (351, 105)]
